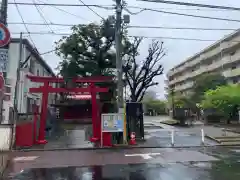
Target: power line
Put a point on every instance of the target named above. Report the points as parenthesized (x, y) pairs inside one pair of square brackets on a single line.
[(188, 9), (146, 37), (42, 24), (41, 14), (60, 9), (142, 9), (175, 38), (107, 7), (136, 26), (183, 28), (48, 52), (194, 4), (25, 24), (91, 9), (180, 14)]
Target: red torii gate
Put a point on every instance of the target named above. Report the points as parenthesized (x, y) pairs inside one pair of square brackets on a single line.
[(47, 88)]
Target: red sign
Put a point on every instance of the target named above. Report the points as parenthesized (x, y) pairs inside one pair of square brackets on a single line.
[(4, 35)]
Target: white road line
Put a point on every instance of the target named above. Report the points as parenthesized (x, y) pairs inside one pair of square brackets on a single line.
[(26, 158), (144, 156)]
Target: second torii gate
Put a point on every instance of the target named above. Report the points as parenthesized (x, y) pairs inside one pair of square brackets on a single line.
[(47, 88)]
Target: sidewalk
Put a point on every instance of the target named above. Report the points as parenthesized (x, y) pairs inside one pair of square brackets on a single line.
[(187, 135), (69, 137), (215, 133)]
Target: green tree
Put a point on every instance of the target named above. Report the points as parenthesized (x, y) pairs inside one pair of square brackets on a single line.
[(158, 106), (204, 83), (180, 101), (224, 99), (88, 51)]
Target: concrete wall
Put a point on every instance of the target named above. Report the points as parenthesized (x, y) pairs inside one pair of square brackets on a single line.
[(4, 146)]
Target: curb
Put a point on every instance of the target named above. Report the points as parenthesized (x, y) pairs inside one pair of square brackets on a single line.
[(229, 130), (212, 138), (221, 143), (119, 148)]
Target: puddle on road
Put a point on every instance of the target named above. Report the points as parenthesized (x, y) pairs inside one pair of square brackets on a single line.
[(201, 164), (170, 171), (87, 176), (236, 150), (222, 169)]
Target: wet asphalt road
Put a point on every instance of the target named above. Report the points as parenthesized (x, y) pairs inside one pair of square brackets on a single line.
[(218, 164), (77, 136), (199, 163)]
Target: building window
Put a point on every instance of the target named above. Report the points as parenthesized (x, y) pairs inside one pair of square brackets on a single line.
[(234, 66), (32, 66), (209, 62), (7, 98), (232, 53), (235, 81), (38, 73), (30, 103), (7, 89)]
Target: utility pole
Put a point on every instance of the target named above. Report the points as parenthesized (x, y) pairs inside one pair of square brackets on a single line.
[(4, 6), (118, 41), (16, 91)]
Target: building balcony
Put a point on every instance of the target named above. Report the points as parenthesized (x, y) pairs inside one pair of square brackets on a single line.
[(232, 73), (166, 88), (184, 86), (166, 81), (227, 44), (208, 68)]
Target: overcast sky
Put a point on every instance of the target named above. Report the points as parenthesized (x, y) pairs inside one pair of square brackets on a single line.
[(177, 50)]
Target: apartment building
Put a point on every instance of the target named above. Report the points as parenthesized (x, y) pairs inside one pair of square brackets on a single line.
[(35, 66), (222, 57)]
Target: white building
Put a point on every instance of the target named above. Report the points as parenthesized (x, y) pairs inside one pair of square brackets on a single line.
[(34, 66), (222, 57)]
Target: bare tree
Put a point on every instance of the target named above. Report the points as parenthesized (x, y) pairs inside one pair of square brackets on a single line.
[(139, 75)]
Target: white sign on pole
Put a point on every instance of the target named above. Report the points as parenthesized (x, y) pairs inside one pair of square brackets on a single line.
[(112, 122), (3, 60)]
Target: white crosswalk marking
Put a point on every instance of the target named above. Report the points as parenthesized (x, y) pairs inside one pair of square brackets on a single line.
[(26, 158), (144, 156)]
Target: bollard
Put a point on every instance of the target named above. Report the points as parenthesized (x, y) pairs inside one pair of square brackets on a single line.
[(224, 133), (172, 137), (203, 136), (133, 139)]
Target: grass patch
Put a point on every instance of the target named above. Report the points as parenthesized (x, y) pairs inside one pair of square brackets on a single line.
[(170, 122)]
